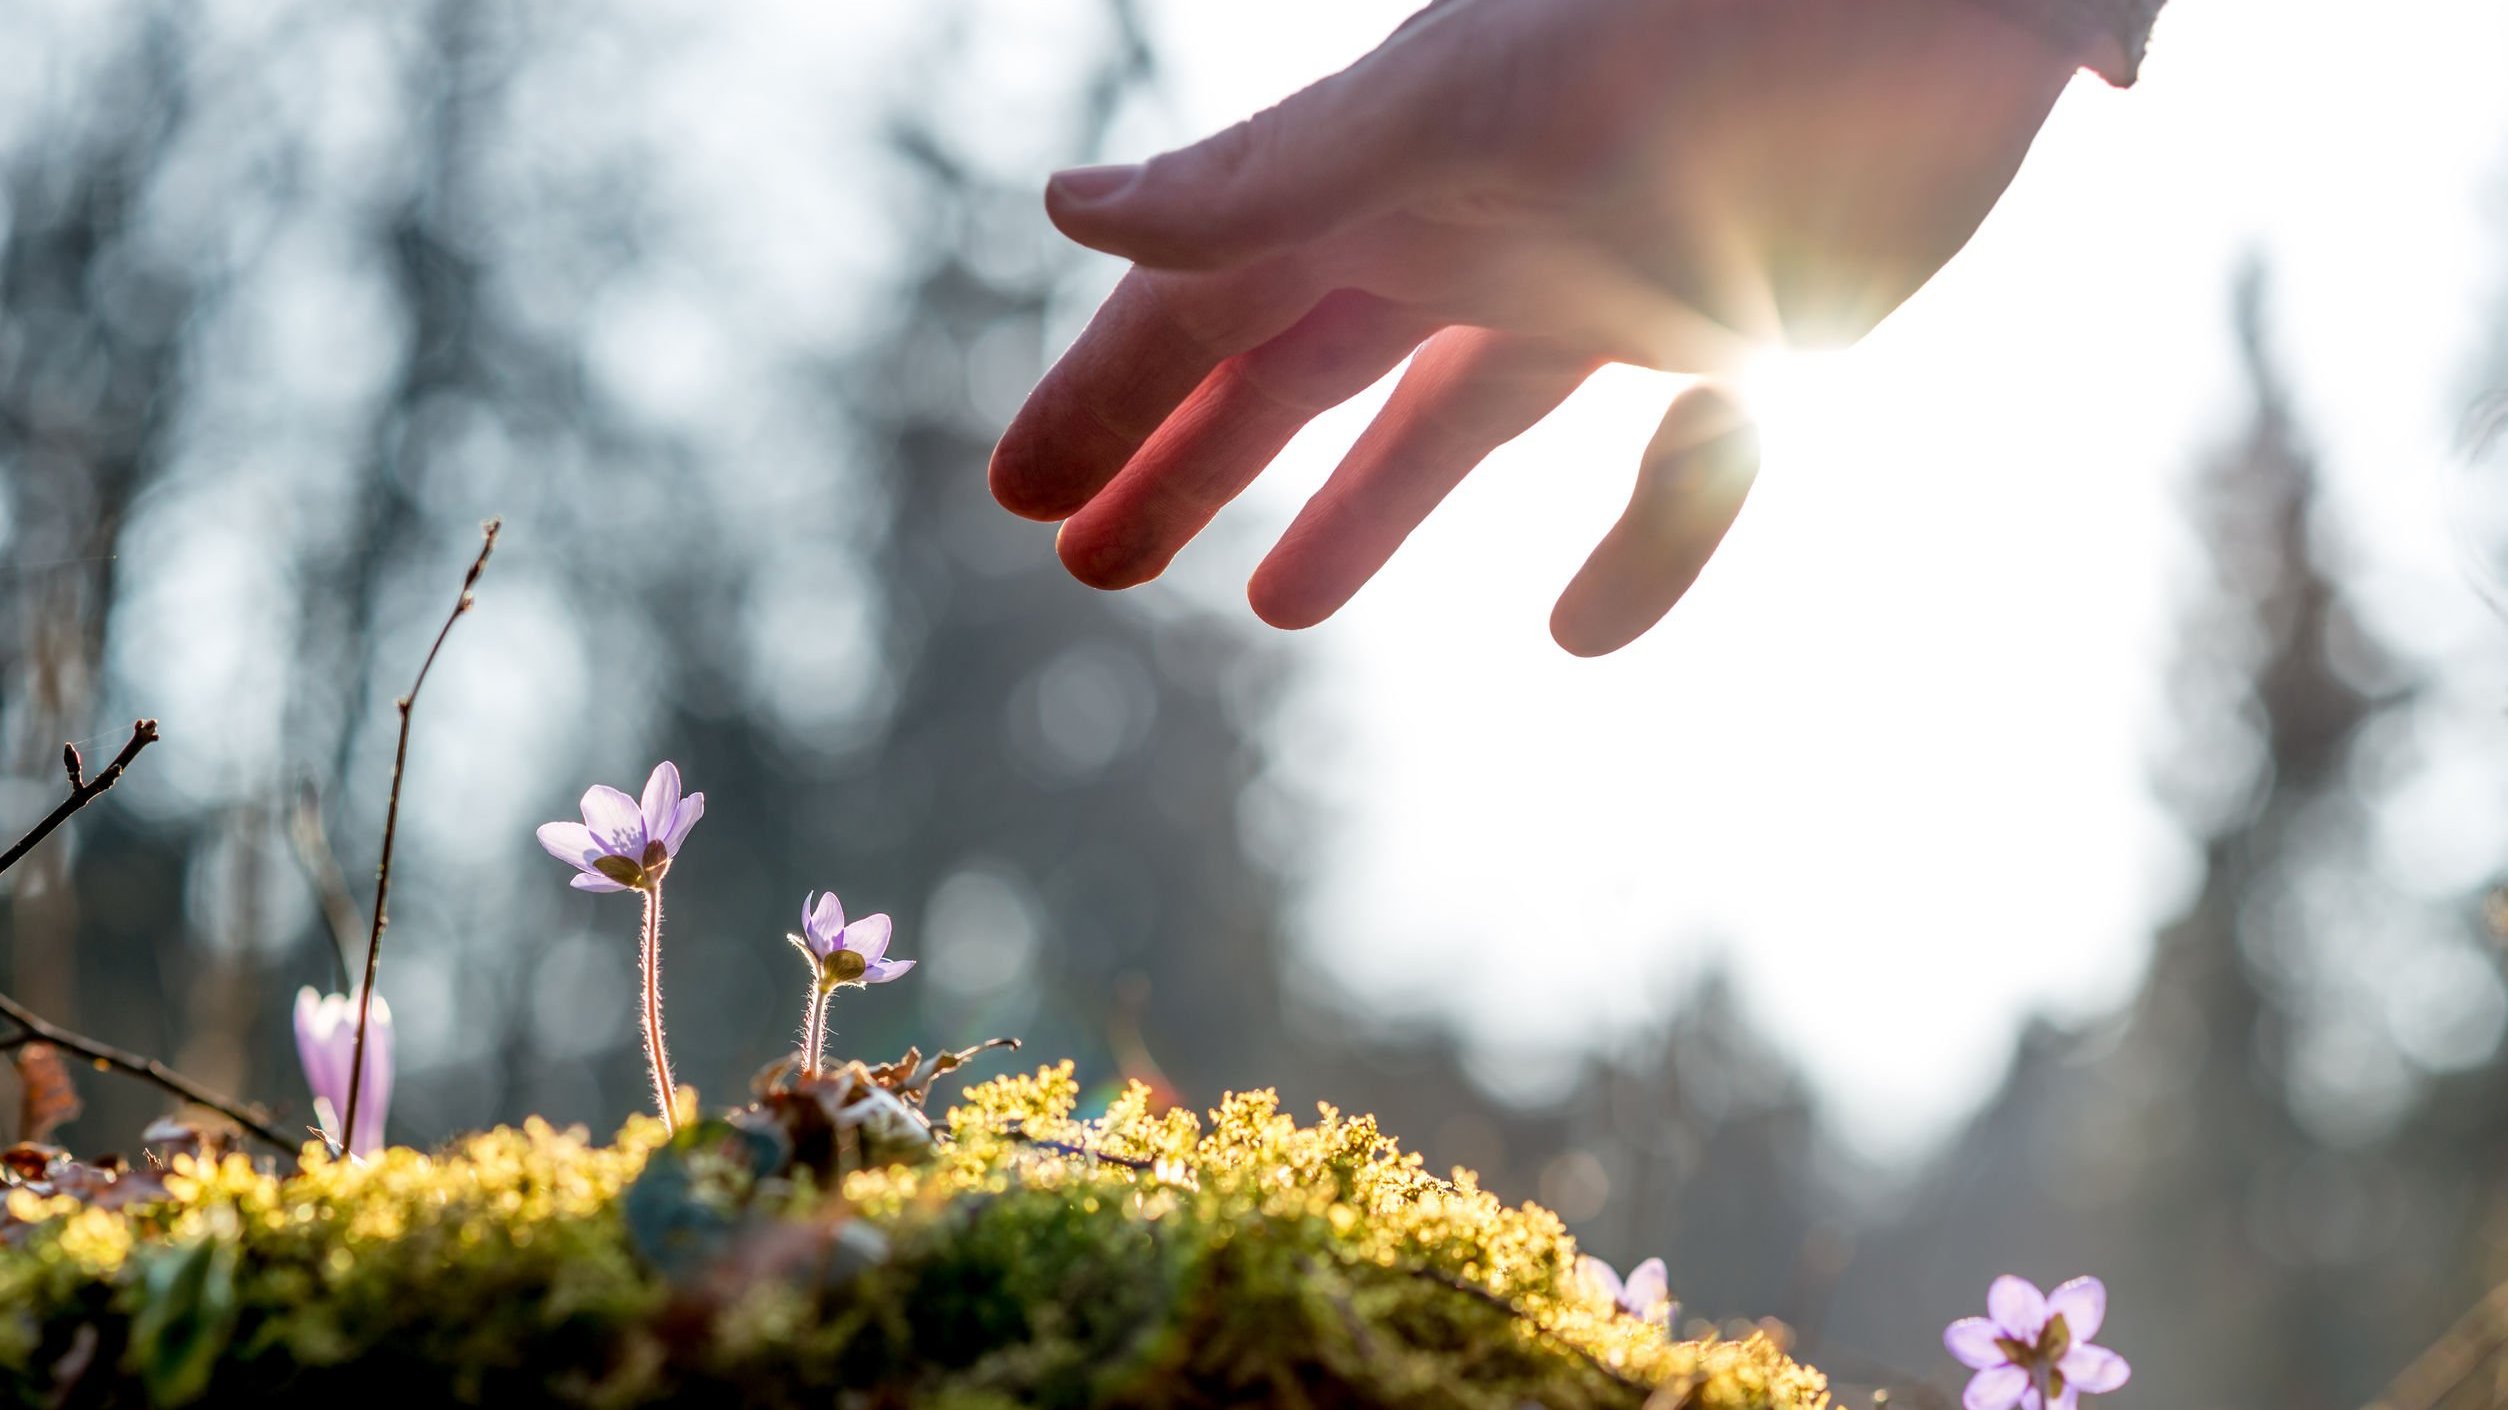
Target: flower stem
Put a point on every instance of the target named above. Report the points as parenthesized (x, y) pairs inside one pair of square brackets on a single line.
[(814, 1032), (664, 1089)]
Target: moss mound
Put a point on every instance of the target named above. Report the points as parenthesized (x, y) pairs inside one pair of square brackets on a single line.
[(1024, 1258)]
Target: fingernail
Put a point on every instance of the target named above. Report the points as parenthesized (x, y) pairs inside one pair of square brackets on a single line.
[(1088, 185)]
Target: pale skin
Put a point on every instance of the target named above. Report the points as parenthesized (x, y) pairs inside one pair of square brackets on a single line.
[(1518, 192)]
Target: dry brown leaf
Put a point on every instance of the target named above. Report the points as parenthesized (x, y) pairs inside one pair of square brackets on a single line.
[(49, 1099)]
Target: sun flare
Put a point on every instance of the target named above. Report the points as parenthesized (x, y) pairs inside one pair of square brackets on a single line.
[(1791, 393)]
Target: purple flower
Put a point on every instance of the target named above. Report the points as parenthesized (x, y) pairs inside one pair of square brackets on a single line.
[(1646, 1296), (622, 845), (838, 955), (326, 1041), (2033, 1349), (844, 954)]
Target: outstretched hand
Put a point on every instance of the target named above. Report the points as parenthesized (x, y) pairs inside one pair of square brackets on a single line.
[(1516, 191)]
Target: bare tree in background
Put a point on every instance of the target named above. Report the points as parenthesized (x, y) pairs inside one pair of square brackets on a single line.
[(317, 338)]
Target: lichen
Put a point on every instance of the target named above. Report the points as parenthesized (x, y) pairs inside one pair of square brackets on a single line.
[(1034, 1259)]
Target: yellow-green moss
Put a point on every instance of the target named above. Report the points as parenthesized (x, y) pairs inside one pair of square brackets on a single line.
[(1174, 1263)]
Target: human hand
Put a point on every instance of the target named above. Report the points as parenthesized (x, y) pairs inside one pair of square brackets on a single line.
[(1519, 191)]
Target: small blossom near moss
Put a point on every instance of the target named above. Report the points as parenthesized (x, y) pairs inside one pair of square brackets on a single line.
[(326, 1043), (1646, 1295), (840, 955), (2033, 1349)]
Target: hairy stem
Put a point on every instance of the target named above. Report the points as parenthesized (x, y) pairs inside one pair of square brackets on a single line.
[(664, 1089), (814, 1032)]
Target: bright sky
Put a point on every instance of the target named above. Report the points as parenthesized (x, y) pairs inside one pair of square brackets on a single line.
[(1891, 757)]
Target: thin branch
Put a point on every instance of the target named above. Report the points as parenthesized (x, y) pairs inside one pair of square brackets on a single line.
[(252, 1119), (35, 1028), (2468, 1347), (391, 827), (1547, 1333), (322, 868), (1017, 1133), (83, 790)]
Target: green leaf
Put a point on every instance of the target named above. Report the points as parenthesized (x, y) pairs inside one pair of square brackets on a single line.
[(686, 1207), (186, 1317)]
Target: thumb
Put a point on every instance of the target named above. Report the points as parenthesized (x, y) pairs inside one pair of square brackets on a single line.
[(1696, 474), (1358, 144)]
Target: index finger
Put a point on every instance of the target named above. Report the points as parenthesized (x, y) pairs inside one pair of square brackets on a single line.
[(1153, 341)]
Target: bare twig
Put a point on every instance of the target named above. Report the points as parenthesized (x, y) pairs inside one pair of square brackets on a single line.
[(83, 790), (1893, 1385), (391, 827), (33, 1028), (105, 1055), (1484, 1295), (322, 868), (1017, 1133), (2471, 1345)]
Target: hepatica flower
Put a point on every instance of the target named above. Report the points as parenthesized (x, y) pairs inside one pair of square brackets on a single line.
[(621, 844), (839, 955), (326, 1039), (626, 845), (1646, 1295), (2033, 1349)]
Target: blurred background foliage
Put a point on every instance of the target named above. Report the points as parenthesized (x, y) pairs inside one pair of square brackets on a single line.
[(293, 295)]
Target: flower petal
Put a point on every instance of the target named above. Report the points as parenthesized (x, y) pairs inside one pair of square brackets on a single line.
[(2018, 1308), (882, 971), (824, 923), (1996, 1388), (661, 799), (691, 808), (569, 842), (374, 1097), (1599, 1278), (868, 937), (1973, 1341), (2083, 1302), (2093, 1370), (615, 821), (326, 1066), (594, 882), (1647, 1288)]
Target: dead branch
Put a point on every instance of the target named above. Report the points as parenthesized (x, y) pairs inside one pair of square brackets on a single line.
[(391, 827)]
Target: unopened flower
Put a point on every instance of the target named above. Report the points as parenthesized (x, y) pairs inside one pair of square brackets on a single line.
[(1646, 1296), (2033, 1349), (841, 954), (326, 1042), (621, 844)]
